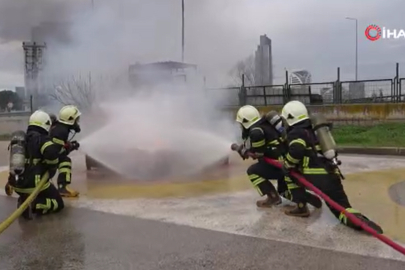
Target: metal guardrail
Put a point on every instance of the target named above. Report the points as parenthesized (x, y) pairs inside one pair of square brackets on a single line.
[(337, 92), (346, 92), (15, 113)]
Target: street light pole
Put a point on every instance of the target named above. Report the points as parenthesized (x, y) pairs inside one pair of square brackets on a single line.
[(182, 30), (357, 46)]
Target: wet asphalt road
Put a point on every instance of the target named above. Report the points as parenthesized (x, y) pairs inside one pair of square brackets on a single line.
[(83, 239)]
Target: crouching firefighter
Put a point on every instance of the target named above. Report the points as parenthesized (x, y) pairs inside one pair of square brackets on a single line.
[(68, 121), (261, 139), (311, 152), (32, 154)]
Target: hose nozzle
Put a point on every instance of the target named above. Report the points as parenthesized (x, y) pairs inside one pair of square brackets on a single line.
[(336, 161), (235, 147)]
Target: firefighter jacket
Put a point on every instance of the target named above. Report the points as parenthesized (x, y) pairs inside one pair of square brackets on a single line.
[(304, 152), (41, 156), (60, 135), (266, 141)]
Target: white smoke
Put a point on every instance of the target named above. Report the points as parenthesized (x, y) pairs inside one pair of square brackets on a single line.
[(115, 34), (183, 128), (173, 132)]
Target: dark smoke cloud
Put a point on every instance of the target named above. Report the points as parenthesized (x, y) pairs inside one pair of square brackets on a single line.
[(17, 17)]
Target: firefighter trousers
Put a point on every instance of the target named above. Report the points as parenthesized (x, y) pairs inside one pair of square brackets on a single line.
[(65, 171), (260, 175), (48, 201), (331, 186)]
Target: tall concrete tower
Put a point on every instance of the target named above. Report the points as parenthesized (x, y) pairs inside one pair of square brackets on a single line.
[(33, 56), (264, 62), (40, 79)]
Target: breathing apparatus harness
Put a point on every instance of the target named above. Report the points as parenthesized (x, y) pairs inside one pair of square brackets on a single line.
[(322, 131)]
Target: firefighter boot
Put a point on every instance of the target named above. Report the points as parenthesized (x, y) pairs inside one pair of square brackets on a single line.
[(28, 213), (9, 189), (314, 200), (286, 195), (66, 191), (300, 210), (272, 199)]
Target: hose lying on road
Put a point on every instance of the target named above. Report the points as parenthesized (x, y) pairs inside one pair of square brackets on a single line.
[(17, 213), (341, 209)]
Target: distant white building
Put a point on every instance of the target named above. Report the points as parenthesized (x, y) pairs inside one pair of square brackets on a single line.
[(357, 90), (20, 90), (300, 77)]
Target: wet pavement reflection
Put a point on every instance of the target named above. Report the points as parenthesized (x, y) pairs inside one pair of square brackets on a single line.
[(220, 200), (52, 242), (80, 239)]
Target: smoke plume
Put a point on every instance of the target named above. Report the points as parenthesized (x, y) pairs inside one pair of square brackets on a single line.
[(180, 128)]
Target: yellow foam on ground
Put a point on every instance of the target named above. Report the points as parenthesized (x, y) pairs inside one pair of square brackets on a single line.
[(367, 191)]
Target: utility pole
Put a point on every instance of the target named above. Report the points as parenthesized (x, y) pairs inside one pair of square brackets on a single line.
[(357, 46), (182, 31), (33, 58)]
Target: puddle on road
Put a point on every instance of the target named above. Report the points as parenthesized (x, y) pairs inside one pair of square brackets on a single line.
[(379, 195)]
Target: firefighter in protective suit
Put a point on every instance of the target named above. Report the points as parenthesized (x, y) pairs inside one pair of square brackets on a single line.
[(305, 156), (68, 121), (262, 139), (41, 156)]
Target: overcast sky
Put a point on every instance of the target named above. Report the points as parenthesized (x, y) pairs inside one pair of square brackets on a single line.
[(310, 34)]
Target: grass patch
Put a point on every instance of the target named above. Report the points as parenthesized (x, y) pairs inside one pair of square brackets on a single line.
[(381, 135)]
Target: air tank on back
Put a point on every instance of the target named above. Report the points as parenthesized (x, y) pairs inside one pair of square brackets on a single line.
[(17, 153), (322, 130), (276, 121)]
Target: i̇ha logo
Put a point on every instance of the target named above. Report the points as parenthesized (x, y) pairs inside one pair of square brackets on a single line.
[(374, 32)]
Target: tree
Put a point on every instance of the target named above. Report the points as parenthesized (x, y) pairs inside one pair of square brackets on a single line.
[(8, 96), (245, 67), (374, 96), (381, 95), (79, 91)]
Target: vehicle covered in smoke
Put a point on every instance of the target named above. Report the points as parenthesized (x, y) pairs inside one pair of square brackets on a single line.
[(165, 130), (152, 74), (151, 158)]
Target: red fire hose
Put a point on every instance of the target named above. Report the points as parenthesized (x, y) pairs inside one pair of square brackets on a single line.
[(339, 208)]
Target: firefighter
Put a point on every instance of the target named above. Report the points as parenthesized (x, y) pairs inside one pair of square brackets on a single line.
[(54, 119), (262, 139), (8, 188), (68, 121), (41, 156), (306, 156)]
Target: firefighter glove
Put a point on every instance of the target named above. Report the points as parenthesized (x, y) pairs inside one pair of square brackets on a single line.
[(75, 145), (11, 180)]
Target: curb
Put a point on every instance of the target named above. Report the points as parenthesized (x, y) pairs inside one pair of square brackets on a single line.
[(386, 151)]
